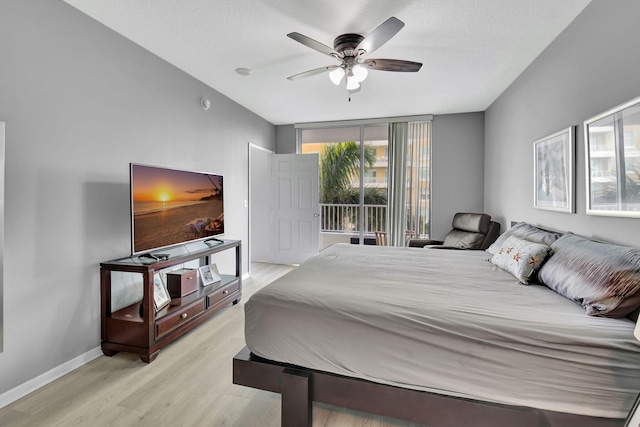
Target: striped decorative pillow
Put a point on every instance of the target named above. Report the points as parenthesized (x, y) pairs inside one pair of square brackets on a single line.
[(603, 277)]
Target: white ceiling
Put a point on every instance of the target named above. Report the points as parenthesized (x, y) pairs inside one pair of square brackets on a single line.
[(471, 49)]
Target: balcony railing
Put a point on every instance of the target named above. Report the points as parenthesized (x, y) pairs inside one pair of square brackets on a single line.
[(374, 180), (343, 218)]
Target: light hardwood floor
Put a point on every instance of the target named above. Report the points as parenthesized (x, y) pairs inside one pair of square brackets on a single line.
[(189, 384)]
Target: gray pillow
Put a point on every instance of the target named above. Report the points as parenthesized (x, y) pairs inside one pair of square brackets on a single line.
[(603, 277), (527, 232)]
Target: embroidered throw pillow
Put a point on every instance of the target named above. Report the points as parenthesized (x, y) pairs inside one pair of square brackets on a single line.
[(521, 258)]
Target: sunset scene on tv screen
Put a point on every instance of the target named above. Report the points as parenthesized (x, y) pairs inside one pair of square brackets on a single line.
[(173, 206)]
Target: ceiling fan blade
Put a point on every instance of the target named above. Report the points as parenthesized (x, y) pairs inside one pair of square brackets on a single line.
[(313, 72), (392, 65), (315, 45), (380, 35)]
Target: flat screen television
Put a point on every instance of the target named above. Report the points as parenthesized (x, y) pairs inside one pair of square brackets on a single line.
[(170, 206)]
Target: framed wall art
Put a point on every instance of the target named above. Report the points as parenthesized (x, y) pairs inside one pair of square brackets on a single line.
[(553, 166), (612, 148)]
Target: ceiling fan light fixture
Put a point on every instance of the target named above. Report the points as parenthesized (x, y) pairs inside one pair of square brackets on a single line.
[(360, 73), (352, 83), (337, 75)]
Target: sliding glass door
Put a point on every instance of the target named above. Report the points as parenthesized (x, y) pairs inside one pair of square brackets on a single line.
[(353, 180), (373, 178)]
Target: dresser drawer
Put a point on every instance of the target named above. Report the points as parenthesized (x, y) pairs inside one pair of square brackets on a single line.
[(222, 293), (172, 321)]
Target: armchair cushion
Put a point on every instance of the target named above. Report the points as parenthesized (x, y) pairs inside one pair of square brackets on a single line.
[(463, 239), (471, 222), (469, 230)]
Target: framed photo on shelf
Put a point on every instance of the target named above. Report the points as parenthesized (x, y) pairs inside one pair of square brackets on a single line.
[(209, 274), (160, 294), (633, 419), (553, 166)]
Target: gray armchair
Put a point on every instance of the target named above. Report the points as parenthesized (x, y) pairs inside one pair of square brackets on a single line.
[(470, 231)]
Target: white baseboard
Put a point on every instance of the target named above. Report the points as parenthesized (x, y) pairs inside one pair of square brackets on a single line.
[(32, 385)]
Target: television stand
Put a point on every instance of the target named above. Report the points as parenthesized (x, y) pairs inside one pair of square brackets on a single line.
[(138, 328)]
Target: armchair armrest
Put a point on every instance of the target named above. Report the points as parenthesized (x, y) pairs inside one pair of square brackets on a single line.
[(421, 243)]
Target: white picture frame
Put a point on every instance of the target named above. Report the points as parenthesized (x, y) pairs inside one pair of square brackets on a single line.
[(633, 419), (553, 166), (612, 167), (161, 296), (209, 274)]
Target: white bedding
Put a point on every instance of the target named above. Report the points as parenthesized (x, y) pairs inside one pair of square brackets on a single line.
[(445, 321)]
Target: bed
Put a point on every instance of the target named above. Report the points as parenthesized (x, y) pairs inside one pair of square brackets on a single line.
[(439, 337)]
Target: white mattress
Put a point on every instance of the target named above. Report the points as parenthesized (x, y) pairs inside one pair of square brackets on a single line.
[(449, 322)]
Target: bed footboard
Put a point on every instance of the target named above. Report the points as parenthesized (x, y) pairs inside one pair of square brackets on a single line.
[(299, 387)]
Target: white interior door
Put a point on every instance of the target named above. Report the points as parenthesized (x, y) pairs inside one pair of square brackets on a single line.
[(294, 215)]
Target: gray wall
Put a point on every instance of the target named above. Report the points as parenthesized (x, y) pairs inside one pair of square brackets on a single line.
[(457, 166), (592, 66), (80, 102), (286, 139)]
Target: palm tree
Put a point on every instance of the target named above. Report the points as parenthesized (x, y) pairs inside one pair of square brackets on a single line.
[(339, 168)]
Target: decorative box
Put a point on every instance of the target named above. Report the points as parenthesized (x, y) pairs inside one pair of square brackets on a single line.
[(182, 282)]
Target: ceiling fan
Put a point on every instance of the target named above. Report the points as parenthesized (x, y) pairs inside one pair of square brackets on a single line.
[(351, 50)]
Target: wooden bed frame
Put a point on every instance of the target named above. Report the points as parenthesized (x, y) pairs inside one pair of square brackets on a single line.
[(300, 387)]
